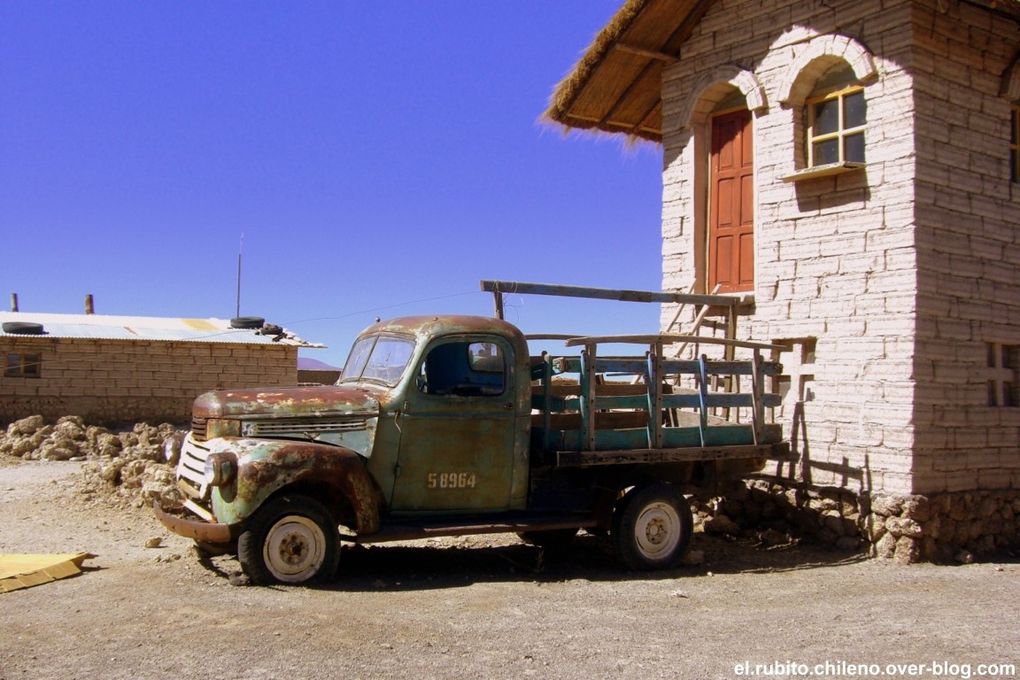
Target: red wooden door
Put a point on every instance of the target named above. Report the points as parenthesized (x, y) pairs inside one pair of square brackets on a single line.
[(731, 204)]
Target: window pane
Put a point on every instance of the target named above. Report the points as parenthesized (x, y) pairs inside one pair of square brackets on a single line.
[(826, 117), (825, 152), (1014, 166), (853, 148), (485, 357), (31, 365), (854, 110)]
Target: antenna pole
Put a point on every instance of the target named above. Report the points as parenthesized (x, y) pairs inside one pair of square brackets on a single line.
[(240, 248)]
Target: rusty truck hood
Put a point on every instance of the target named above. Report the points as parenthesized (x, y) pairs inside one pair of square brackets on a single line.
[(288, 402)]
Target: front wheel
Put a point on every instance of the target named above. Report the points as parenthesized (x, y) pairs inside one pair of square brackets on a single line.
[(652, 527), (292, 539)]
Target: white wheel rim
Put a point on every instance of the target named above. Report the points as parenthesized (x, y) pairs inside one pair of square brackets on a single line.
[(294, 549), (657, 530)]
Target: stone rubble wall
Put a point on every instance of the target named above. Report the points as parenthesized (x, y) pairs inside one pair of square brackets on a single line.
[(944, 528), (112, 381)]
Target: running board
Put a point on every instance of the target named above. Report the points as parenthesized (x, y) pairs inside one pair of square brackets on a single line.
[(411, 530)]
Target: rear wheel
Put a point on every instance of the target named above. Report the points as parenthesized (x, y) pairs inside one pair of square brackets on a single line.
[(652, 527), (292, 539)]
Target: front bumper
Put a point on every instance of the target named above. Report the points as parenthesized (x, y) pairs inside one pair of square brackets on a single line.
[(200, 530)]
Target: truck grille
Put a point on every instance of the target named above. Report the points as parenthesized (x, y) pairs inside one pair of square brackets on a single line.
[(198, 429), (191, 469), (302, 428)]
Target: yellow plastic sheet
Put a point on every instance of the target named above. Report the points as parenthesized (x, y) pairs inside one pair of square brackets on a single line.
[(25, 571)]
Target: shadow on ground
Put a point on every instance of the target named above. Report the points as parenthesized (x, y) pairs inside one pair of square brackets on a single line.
[(424, 565)]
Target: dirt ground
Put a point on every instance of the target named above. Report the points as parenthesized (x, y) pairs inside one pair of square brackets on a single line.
[(487, 607)]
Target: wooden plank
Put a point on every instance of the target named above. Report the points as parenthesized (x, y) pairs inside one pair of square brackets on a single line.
[(684, 455), (642, 52), (691, 367), (523, 288), (669, 338)]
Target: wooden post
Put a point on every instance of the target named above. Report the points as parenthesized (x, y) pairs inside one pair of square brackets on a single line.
[(89, 304), (655, 379), (757, 397), (497, 297), (703, 396), (588, 397), (14, 302), (547, 395)]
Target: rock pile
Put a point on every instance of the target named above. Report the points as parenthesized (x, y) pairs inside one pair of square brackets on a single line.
[(126, 466), (946, 527)]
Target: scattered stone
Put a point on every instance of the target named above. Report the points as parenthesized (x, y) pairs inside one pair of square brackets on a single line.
[(772, 537), (679, 594), (154, 542), (964, 557), (238, 579)]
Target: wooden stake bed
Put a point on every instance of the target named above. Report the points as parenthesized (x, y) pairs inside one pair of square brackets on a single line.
[(779, 451)]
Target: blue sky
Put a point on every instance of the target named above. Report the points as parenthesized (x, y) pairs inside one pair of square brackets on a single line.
[(372, 154)]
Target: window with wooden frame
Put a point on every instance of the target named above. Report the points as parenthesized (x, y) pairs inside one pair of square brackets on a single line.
[(835, 130), (18, 365), (1014, 142)]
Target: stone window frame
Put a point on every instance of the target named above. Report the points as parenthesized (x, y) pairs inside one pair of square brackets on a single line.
[(1003, 368), (816, 57), (841, 133), (21, 365)]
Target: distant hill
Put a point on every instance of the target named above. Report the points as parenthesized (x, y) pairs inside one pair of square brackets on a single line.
[(309, 364)]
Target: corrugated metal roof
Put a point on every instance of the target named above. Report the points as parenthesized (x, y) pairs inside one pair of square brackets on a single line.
[(159, 329)]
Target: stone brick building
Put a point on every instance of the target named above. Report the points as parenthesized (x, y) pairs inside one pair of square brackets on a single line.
[(126, 369), (854, 167)]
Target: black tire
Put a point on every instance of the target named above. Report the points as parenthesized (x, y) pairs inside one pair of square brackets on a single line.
[(23, 328), (247, 322), (652, 527), (550, 539), (291, 539)]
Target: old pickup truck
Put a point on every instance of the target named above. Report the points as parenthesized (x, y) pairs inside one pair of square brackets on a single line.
[(446, 425)]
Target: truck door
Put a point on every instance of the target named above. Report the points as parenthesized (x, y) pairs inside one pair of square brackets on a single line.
[(457, 428)]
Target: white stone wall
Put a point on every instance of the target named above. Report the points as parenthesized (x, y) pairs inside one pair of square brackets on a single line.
[(835, 257), (968, 239)]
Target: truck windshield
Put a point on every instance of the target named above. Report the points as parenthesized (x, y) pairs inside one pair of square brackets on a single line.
[(378, 358)]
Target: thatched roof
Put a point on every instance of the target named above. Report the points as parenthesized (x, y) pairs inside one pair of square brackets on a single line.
[(616, 85)]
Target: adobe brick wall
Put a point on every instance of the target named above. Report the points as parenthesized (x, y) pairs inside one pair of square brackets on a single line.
[(835, 257), (134, 380), (968, 242)]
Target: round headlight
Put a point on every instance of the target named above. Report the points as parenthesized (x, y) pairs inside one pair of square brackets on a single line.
[(220, 468)]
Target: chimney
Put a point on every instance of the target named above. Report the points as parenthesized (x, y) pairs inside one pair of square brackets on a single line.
[(89, 306), (14, 302)]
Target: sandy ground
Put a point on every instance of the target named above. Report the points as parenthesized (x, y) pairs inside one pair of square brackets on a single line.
[(486, 607)]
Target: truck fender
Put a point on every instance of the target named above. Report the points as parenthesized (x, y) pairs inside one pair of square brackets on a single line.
[(268, 467)]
